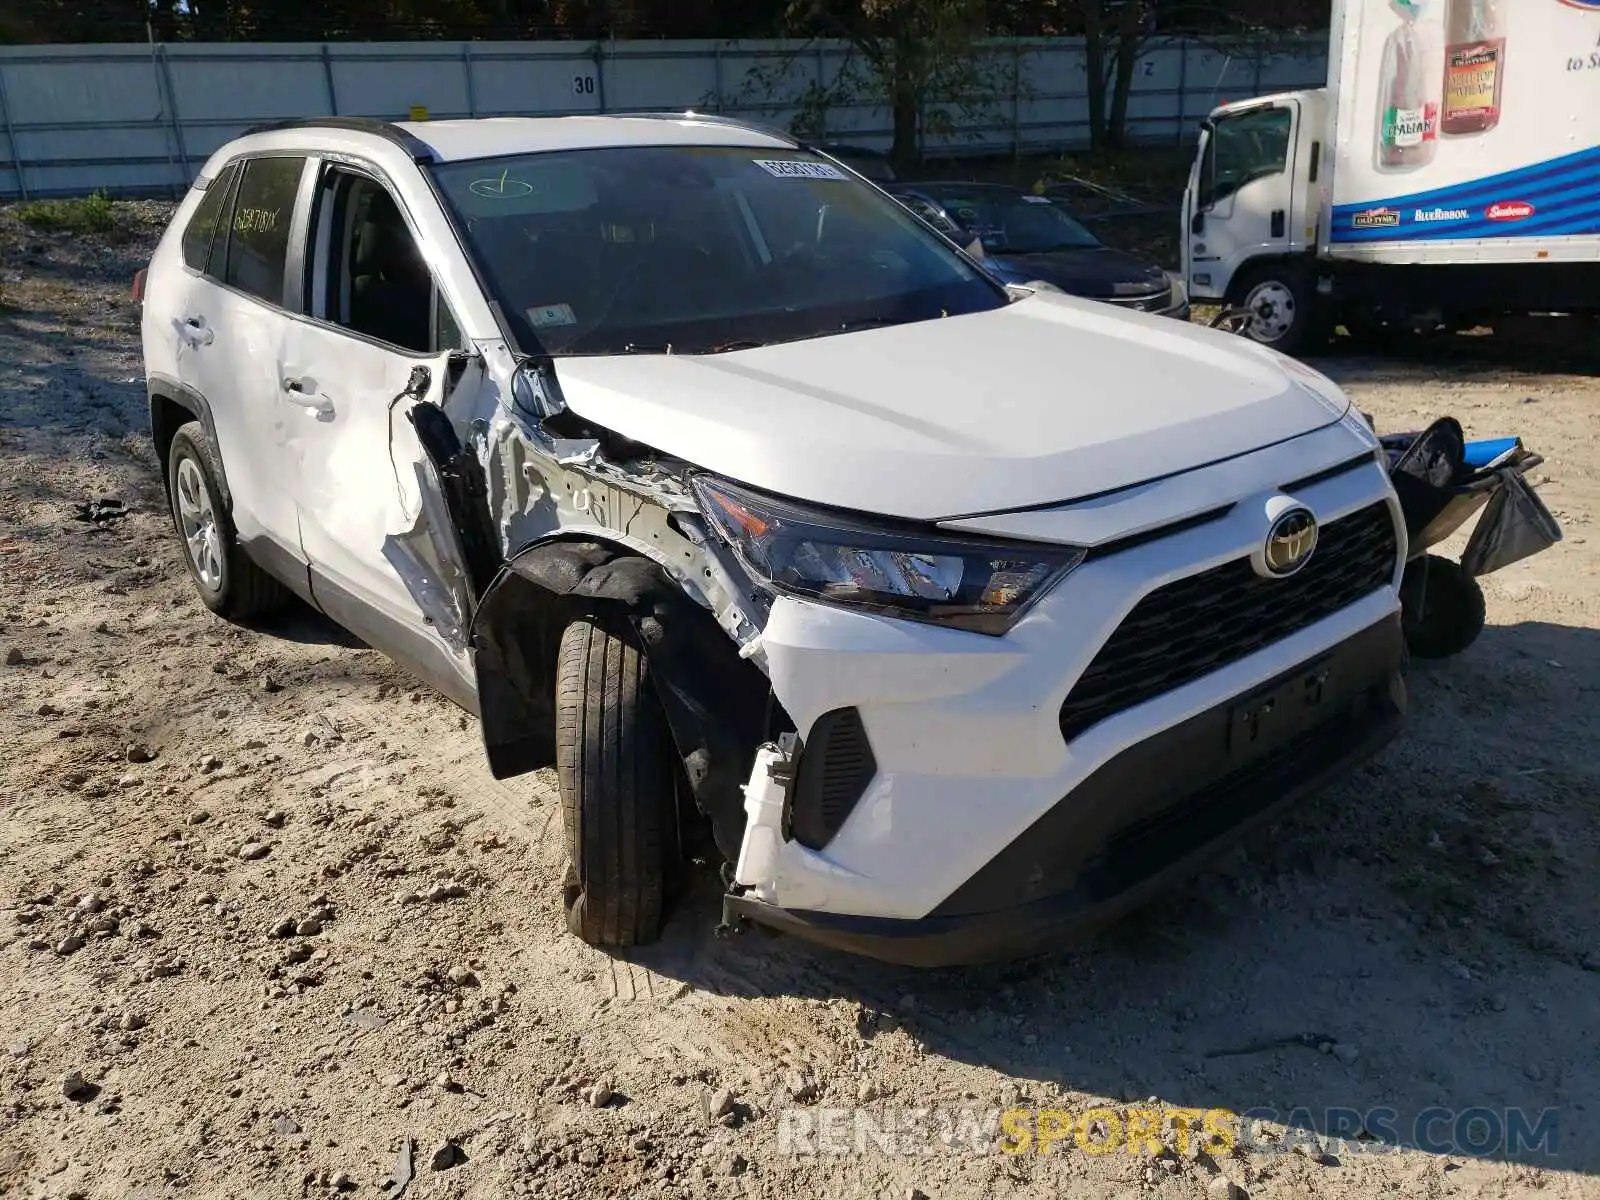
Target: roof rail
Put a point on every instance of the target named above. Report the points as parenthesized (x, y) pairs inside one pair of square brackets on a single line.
[(689, 114), (419, 150)]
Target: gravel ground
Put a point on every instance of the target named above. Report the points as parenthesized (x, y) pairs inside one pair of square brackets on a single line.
[(270, 929)]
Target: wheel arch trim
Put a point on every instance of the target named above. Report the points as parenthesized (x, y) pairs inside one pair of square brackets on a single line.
[(162, 390), (715, 701)]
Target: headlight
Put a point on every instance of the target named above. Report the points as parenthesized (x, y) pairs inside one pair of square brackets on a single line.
[(980, 586), (1180, 290)]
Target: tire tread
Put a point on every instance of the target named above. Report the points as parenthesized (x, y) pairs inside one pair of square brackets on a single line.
[(616, 784)]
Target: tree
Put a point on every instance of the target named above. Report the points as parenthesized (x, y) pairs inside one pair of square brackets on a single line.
[(920, 59)]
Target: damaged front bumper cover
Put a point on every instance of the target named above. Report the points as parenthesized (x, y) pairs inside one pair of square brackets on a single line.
[(1149, 818)]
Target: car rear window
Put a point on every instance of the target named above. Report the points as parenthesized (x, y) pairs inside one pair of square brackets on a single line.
[(258, 241), (202, 225)]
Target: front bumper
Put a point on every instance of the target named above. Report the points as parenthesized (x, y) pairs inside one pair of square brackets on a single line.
[(1148, 818), (953, 746)]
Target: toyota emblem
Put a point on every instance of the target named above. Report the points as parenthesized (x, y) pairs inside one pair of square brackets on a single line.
[(1291, 542)]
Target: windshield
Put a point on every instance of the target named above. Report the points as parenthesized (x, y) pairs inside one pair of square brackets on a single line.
[(691, 249), (1015, 222)]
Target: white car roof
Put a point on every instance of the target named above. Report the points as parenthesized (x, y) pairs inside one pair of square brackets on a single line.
[(487, 137)]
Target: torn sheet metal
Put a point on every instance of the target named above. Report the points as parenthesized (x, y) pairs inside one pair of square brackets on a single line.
[(539, 485), (435, 581)]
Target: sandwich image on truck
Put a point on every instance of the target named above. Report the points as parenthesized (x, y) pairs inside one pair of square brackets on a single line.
[(1434, 182)]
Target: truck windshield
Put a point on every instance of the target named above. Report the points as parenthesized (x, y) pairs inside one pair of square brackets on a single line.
[(696, 249), (1245, 147)]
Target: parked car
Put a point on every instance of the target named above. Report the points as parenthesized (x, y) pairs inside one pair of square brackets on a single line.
[(871, 164), (1023, 238), (958, 618)]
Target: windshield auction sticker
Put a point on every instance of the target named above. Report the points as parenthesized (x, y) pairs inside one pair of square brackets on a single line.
[(788, 168)]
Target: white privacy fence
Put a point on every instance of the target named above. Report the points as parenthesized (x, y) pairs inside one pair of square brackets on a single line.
[(141, 119)]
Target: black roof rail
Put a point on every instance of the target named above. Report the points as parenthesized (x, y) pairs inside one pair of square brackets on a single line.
[(419, 150), (690, 114)]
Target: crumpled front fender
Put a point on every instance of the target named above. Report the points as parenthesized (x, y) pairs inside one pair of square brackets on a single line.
[(716, 703)]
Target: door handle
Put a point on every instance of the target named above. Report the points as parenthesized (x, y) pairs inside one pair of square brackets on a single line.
[(303, 392), (1280, 221), (195, 331)]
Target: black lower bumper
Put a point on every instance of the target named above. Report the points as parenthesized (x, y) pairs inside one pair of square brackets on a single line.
[(1147, 819)]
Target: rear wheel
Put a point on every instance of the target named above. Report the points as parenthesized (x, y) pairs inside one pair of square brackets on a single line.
[(617, 780), (1443, 607), (229, 584)]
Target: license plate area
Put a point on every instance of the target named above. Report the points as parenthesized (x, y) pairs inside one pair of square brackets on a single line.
[(1276, 714)]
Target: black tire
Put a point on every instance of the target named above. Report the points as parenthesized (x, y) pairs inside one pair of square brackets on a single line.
[(237, 589), (617, 779), (1284, 298), (1443, 607)]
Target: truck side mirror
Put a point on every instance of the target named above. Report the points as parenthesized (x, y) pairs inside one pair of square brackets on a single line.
[(1197, 223)]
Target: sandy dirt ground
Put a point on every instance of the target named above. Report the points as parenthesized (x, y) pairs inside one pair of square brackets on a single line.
[(268, 928)]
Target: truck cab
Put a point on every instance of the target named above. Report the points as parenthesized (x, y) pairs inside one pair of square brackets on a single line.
[(1252, 208)]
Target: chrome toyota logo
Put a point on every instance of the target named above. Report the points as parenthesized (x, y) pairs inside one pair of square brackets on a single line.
[(1291, 542)]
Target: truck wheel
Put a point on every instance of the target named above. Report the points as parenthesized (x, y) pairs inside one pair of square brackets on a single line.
[(229, 584), (1442, 607), (616, 776), (1281, 305)]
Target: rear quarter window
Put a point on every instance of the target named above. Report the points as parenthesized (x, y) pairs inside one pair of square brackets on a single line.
[(202, 227)]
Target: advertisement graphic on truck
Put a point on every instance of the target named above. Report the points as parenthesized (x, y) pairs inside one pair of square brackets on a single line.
[(1484, 117)]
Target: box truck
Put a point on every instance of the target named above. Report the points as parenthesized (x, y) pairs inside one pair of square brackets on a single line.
[(1447, 176)]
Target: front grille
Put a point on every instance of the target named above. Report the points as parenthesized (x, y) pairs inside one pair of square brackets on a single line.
[(1193, 626), (1154, 302)]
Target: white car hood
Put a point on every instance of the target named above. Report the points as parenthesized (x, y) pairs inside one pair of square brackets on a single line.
[(1049, 399)]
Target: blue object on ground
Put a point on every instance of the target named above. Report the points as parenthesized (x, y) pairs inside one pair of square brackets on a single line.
[(1482, 453)]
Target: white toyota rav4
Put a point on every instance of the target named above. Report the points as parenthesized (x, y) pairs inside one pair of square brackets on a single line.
[(960, 618)]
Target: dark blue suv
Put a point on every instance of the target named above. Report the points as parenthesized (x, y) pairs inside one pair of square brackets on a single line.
[(1026, 238)]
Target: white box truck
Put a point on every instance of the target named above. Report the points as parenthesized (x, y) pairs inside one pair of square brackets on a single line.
[(1448, 175)]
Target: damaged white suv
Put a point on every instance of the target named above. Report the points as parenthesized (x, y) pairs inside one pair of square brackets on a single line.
[(961, 618)]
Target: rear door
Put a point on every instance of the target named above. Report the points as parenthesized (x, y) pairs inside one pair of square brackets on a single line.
[(1245, 195), (377, 339), (228, 326)]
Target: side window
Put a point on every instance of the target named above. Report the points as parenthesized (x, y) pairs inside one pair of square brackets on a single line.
[(202, 227), (258, 241), (1246, 147), (366, 272), (446, 329)]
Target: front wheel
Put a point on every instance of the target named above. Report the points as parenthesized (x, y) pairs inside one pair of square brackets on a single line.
[(1281, 306), (618, 786)]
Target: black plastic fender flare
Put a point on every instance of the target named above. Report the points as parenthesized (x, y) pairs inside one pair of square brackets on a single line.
[(715, 701)]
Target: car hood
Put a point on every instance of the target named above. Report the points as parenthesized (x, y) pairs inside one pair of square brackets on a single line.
[(1049, 399), (1096, 271)]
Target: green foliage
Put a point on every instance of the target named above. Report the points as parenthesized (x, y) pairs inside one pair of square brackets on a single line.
[(88, 214), (926, 61)]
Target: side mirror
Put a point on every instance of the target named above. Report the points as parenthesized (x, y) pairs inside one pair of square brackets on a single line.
[(1197, 223)]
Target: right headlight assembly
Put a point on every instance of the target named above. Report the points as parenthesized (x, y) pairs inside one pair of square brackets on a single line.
[(976, 585)]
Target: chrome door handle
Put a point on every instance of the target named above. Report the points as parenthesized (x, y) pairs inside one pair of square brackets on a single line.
[(303, 392)]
